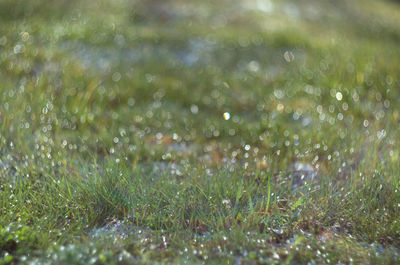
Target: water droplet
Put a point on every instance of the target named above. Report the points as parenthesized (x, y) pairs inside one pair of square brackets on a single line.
[(195, 109), (288, 56), (227, 115), (339, 96), (25, 36), (278, 231), (18, 48), (116, 76)]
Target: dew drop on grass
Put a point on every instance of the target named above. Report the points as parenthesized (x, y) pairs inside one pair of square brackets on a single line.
[(25, 36), (288, 56), (131, 102), (339, 96), (280, 107), (226, 116), (278, 231), (18, 48), (195, 109), (116, 76)]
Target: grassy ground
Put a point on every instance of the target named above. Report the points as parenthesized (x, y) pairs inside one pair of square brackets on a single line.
[(192, 132)]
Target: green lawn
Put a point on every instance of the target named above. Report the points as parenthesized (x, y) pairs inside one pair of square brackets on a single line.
[(199, 132)]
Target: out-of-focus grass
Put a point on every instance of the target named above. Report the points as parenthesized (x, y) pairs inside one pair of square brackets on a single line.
[(114, 147)]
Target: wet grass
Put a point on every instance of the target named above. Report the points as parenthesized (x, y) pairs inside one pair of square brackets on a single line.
[(193, 132)]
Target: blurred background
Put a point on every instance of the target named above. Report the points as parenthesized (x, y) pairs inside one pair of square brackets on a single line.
[(250, 80)]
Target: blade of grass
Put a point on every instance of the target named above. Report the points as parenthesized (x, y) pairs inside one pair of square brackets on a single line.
[(268, 195)]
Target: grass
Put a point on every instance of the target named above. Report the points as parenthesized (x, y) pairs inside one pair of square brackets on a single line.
[(114, 147)]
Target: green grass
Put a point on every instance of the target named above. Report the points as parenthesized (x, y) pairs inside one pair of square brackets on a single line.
[(114, 148)]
